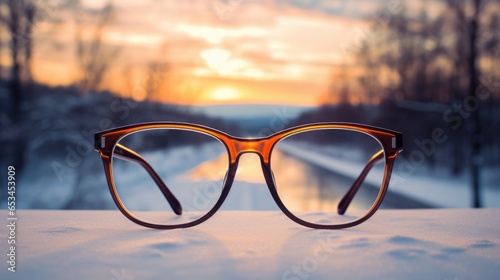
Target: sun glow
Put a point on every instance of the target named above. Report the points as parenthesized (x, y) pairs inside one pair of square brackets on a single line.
[(257, 56), (215, 35), (225, 94), (220, 61)]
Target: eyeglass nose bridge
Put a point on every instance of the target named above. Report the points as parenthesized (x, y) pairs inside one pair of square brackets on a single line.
[(261, 147), (239, 146)]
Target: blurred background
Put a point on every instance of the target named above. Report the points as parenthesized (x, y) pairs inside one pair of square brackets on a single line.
[(428, 68)]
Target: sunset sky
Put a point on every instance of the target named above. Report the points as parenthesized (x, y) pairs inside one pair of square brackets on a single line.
[(217, 52)]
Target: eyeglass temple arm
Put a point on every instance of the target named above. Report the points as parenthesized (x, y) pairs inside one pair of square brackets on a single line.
[(125, 153), (347, 199)]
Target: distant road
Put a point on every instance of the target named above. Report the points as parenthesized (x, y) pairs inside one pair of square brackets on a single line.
[(333, 169)]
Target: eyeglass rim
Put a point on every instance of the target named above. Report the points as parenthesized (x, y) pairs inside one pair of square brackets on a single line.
[(106, 140)]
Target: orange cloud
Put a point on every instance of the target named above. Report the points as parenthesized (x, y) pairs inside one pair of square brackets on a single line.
[(254, 52)]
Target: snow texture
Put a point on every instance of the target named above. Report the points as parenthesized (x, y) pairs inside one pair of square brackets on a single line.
[(394, 244)]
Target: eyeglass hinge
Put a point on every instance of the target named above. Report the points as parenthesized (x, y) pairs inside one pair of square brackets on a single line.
[(99, 142), (394, 144)]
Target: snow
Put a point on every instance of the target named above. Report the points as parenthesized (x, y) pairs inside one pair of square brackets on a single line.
[(393, 244)]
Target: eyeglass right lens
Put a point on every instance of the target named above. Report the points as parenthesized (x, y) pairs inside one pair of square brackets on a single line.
[(318, 170), (156, 170)]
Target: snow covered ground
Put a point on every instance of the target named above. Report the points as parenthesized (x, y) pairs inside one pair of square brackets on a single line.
[(393, 244)]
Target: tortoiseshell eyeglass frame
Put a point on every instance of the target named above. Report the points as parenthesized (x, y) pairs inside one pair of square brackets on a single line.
[(106, 143)]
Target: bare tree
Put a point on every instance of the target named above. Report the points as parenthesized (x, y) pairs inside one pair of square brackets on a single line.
[(3, 22), (14, 23), (94, 57), (18, 20), (476, 129), (469, 25), (29, 14), (156, 75), (437, 61), (339, 90)]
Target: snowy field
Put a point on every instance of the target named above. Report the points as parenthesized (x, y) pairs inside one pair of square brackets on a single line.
[(394, 244)]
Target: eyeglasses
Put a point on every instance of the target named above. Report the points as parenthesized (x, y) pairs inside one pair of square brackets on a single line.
[(177, 175)]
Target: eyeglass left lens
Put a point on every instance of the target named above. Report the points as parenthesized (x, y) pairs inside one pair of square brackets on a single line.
[(328, 176), (154, 169)]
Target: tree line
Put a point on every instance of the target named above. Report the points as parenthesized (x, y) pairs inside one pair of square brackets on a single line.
[(425, 66)]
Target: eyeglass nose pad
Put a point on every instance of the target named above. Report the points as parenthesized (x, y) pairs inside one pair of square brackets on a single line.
[(272, 177), (274, 182), (268, 174), (230, 174), (225, 177)]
